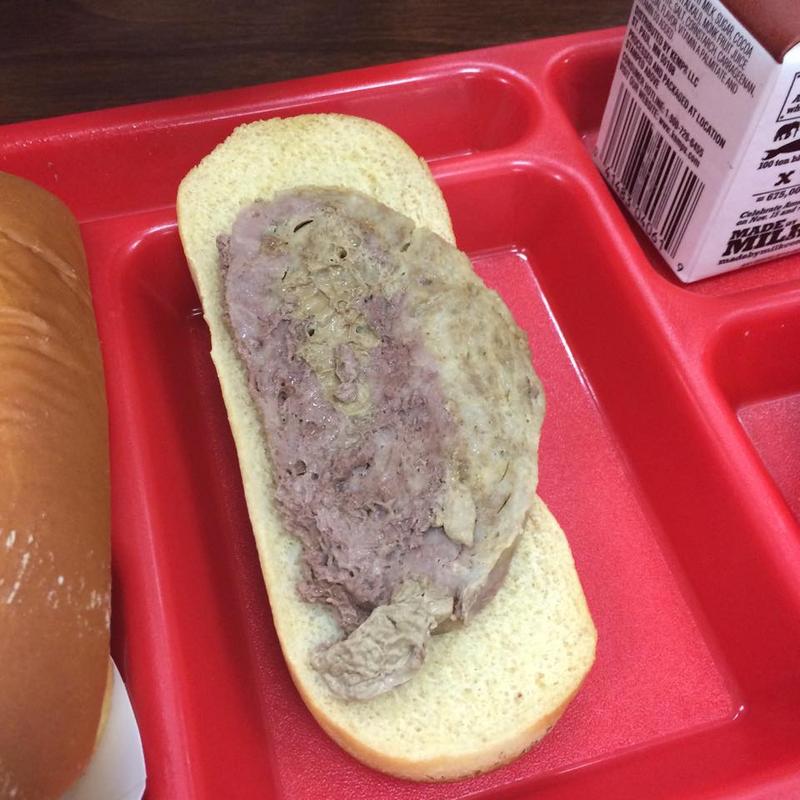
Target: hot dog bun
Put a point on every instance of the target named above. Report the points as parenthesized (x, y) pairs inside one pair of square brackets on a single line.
[(487, 691), (54, 500)]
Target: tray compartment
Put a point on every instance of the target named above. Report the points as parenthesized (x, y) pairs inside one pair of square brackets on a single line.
[(132, 159), (581, 80), (760, 379), (213, 609), (773, 425)]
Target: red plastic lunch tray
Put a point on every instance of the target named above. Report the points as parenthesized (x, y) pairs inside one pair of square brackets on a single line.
[(670, 450)]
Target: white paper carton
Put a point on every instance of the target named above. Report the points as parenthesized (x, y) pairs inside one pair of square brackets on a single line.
[(117, 769), (701, 134)]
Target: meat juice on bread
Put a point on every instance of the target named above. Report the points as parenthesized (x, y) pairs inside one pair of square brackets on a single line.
[(386, 418), (55, 572)]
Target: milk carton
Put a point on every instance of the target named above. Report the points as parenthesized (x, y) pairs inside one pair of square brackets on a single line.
[(701, 134)]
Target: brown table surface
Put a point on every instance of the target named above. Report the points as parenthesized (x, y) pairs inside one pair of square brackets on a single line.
[(61, 56)]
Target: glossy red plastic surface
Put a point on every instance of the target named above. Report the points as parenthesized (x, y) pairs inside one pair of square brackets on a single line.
[(670, 450)]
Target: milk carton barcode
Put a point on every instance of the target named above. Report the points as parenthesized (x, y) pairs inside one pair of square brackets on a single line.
[(649, 174), (701, 134)]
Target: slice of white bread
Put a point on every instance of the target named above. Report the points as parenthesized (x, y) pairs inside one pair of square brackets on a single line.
[(487, 691)]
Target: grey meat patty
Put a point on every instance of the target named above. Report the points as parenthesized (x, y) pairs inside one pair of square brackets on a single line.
[(402, 519)]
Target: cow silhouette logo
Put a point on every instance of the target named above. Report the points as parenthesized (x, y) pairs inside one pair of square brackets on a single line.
[(791, 147), (788, 131)]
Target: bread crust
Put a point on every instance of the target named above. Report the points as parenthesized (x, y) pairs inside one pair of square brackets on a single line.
[(54, 499), (442, 768)]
